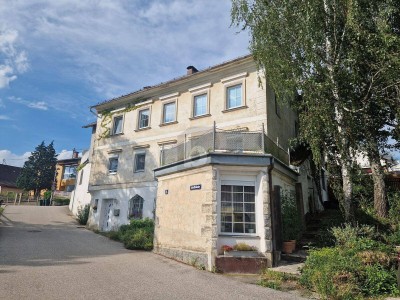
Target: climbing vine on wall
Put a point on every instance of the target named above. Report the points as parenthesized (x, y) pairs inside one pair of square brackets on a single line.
[(108, 115)]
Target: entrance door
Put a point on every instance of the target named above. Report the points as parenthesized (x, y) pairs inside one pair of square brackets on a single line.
[(107, 214)]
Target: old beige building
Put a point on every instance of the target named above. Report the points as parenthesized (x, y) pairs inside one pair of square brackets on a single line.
[(200, 154)]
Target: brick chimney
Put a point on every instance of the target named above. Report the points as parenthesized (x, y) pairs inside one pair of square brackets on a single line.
[(191, 70), (75, 153)]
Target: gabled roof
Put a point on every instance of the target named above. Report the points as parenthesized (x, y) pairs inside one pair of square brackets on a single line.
[(9, 175), (167, 83)]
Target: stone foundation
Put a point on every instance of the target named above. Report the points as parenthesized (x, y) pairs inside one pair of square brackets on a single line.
[(197, 259)]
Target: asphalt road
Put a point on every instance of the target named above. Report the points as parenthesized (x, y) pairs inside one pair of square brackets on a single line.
[(45, 254)]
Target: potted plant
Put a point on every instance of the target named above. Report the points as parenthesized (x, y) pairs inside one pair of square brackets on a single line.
[(291, 224), (225, 249)]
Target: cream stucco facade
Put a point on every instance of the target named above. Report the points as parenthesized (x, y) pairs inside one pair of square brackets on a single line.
[(128, 158)]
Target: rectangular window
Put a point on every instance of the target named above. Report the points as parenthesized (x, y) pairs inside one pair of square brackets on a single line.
[(80, 178), (238, 209), (69, 172), (117, 125), (234, 96), (140, 159), (113, 165), (144, 116), (200, 105), (169, 111)]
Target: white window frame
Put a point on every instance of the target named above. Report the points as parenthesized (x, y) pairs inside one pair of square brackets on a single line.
[(175, 112), (227, 88), (114, 127), (130, 206), (138, 118), (137, 154), (232, 81), (113, 157)]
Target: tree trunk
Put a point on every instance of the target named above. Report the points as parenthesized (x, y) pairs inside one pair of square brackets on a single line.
[(347, 192), (380, 205)]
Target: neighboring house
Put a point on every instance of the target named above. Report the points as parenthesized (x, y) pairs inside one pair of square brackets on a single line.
[(8, 179), (203, 154), (66, 174), (80, 196)]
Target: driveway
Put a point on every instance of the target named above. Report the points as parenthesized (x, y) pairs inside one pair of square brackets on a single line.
[(45, 254)]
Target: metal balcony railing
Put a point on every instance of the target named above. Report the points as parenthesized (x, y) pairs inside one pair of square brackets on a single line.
[(215, 141)]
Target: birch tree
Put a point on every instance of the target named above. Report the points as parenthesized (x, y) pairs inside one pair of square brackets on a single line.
[(343, 55)]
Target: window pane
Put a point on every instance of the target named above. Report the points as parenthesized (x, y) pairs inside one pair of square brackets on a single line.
[(226, 196), (237, 189), (238, 197), (144, 118), (238, 207), (248, 197), (113, 165), (238, 217), (238, 227), (250, 218), (226, 217), (226, 188), (140, 159), (136, 207), (250, 228), (117, 125), (200, 105), (249, 207), (169, 112), (226, 207), (226, 227), (249, 189), (234, 96)]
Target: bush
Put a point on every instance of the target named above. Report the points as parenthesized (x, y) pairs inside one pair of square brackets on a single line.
[(83, 214), (60, 201), (138, 235), (394, 207), (291, 224), (358, 266)]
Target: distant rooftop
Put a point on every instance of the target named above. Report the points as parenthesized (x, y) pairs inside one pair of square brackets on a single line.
[(9, 175)]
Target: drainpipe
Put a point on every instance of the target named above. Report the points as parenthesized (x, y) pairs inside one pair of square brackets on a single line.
[(270, 168)]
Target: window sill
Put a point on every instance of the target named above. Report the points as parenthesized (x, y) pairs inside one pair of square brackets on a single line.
[(138, 171), (112, 173), (235, 108), (243, 235), (199, 117), (116, 134), (169, 123), (142, 129)]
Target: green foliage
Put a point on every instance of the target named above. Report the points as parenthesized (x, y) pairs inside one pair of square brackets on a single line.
[(38, 172), (60, 201), (394, 206), (83, 214), (138, 235), (291, 224), (47, 195), (243, 247), (358, 266), (275, 280)]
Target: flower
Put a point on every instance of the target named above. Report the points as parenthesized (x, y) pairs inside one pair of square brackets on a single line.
[(226, 248)]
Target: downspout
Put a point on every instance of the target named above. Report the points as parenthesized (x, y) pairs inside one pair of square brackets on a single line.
[(270, 168)]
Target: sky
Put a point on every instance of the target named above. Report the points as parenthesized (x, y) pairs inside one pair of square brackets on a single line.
[(59, 57)]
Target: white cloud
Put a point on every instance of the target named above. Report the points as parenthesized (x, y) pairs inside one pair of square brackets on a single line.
[(32, 104), (13, 159), (38, 105), (4, 117), (12, 61)]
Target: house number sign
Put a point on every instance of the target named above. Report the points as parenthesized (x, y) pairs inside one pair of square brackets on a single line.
[(195, 187)]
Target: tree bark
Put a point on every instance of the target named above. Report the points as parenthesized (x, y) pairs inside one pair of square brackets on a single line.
[(380, 205), (347, 192)]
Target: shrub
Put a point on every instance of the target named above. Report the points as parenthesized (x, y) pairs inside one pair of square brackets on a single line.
[(243, 247), (60, 201), (139, 239), (291, 224), (83, 214), (394, 206), (138, 235), (379, 281)]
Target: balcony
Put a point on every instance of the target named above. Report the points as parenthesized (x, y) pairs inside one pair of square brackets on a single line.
[(223, 141)]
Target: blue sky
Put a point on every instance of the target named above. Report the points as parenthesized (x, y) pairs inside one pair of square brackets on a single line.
[(59, 57)]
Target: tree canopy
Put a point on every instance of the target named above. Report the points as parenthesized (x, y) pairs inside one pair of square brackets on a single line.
[(38, 171), (343, 57)]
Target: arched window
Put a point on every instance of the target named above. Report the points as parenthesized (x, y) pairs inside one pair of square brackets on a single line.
[(136, 207)]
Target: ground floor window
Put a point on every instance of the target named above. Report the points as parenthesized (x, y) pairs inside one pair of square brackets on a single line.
[(136, 207), (238, 211)]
